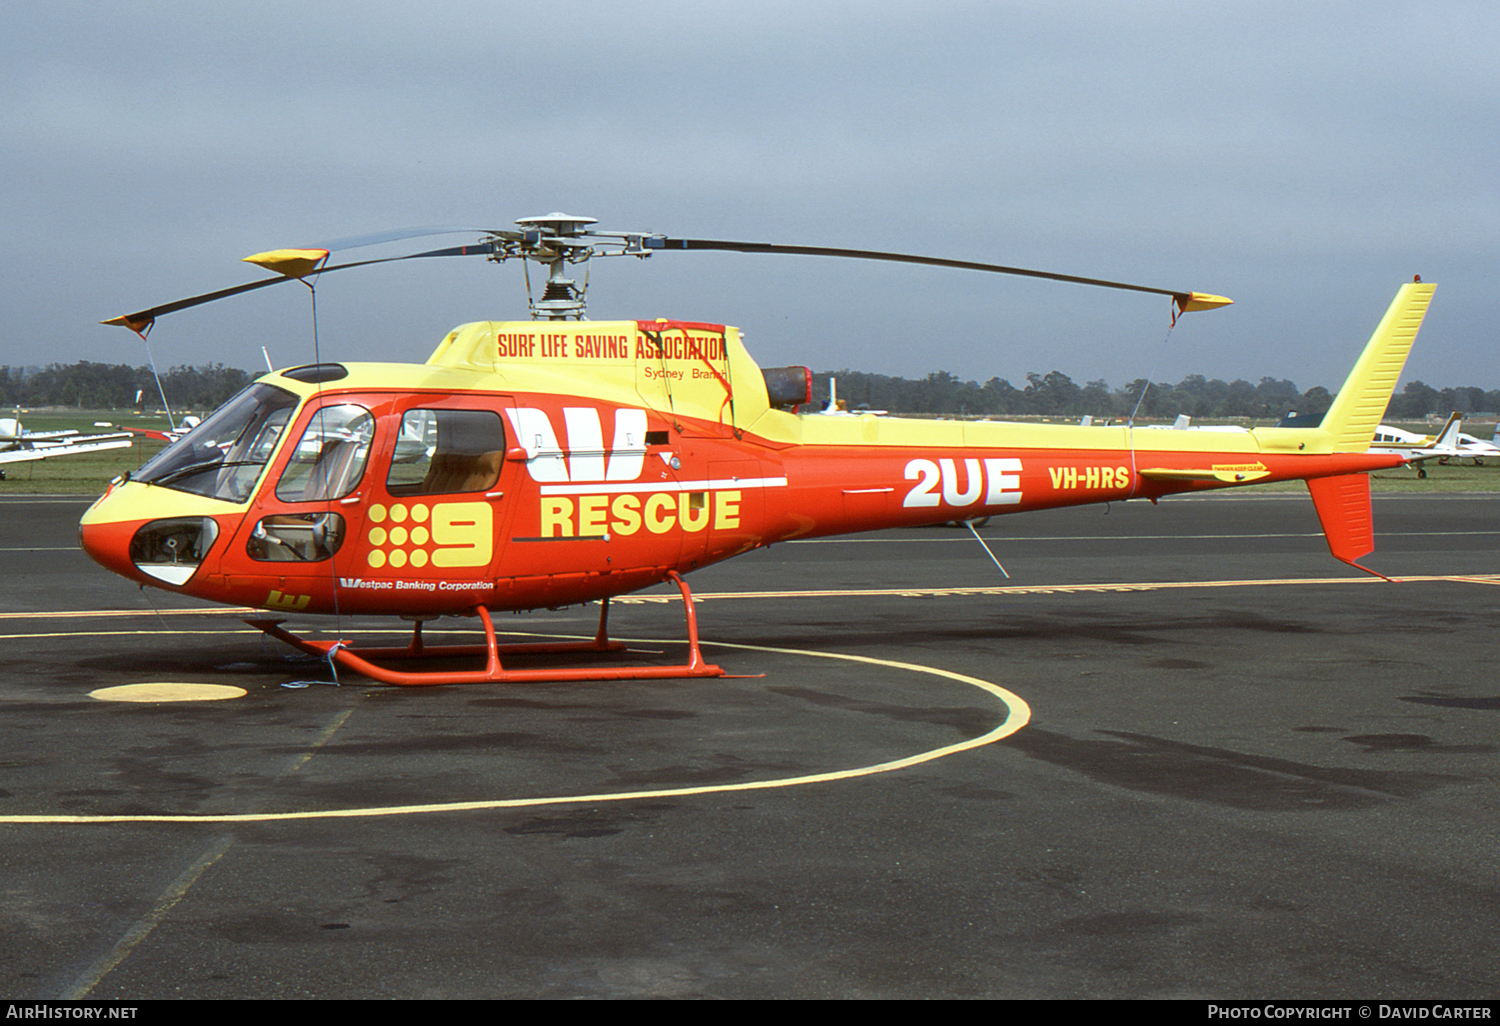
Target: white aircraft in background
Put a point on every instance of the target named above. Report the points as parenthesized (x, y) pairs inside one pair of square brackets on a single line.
[(1477, 449), (1450, 443), (1417, 449), (18, 445)]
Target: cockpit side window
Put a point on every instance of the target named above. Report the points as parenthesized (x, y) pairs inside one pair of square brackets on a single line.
[(446, 451), (329, 459)]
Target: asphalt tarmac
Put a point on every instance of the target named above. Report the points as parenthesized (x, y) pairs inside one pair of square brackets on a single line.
[(1245, 770)]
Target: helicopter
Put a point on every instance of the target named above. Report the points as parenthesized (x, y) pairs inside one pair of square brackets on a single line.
[(556, 461)]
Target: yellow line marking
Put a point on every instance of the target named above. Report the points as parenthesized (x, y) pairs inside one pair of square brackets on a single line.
[(661, 599), (714, 596), (1018, 539), (1049, 589), (1018, 715), (1019, 712), (219, 631), (74, 614)]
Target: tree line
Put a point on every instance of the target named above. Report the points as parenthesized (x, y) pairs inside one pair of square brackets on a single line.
[(1056, 394), (114, 386), (102, 386)]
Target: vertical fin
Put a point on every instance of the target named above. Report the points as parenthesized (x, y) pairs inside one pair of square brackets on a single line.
[(1448, 437), (1343, 505), (1351, 421)]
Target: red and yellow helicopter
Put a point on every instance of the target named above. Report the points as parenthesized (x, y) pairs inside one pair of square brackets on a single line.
[(557, 461)]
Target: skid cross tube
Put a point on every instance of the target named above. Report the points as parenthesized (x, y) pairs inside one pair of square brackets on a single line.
[(494, 672)]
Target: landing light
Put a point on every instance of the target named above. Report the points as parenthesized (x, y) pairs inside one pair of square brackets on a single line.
[(171, 550)]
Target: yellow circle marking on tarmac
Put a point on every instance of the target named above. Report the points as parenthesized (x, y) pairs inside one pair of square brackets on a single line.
[(1018, 715), (167, 691)]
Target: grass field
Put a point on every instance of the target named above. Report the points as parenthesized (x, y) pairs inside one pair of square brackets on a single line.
[(90, 473)]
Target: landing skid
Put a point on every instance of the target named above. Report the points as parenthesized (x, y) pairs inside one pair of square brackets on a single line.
[(494, 673)]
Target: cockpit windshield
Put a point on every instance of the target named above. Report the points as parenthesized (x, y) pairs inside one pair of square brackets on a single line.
[(222, 457)]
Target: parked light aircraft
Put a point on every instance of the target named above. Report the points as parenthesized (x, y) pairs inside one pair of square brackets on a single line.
[(1477, 449), (18, 445), (556, 460), (1416, 449)]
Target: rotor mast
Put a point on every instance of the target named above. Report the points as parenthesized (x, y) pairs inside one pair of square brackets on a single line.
[(553, 241)]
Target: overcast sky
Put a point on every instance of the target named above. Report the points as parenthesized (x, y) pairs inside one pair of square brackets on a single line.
[(1302, 158)]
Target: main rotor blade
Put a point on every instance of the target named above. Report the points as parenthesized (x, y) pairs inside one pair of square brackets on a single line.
[(143, 319), (396, 235), (1186, 299)]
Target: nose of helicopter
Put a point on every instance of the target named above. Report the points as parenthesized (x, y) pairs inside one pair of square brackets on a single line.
[(105, 536), (137, 532)]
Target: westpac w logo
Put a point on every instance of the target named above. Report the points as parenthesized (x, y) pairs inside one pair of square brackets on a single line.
[(584, 460)]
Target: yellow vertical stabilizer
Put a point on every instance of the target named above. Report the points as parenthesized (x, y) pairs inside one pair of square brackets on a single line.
[(1351, 421)]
